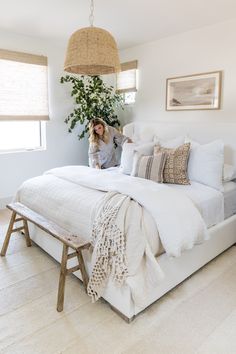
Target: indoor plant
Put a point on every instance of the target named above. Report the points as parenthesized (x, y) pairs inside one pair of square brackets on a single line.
[(93, 98)]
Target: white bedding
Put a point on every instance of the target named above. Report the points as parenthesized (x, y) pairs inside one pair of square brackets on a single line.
[(209, 202), (69, 195), (178, 221), (52, 197)]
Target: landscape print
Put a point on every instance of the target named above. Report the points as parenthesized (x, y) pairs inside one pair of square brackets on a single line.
[(201, 91)]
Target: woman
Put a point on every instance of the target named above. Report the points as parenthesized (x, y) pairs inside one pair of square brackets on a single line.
[(102, 141)]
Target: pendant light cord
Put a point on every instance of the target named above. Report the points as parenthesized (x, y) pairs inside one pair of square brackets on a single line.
[(91, 16)]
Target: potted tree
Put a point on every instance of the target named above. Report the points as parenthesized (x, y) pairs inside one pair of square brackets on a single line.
[(93, 98)]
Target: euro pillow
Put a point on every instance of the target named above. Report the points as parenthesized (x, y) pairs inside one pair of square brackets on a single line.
[(206, 164), (152, 167), (170, 143), (175, 170), (127, 155), (229, 173), (143, 134)]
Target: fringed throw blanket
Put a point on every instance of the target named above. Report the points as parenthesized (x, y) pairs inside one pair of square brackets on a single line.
[(109, 243)]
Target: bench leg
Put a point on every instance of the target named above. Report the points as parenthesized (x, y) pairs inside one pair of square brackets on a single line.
[(62, 280), (82, 269), (27, 236), (8, 235)]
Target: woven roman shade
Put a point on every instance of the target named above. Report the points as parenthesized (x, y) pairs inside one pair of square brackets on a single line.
[(24, 86), (126, 79)]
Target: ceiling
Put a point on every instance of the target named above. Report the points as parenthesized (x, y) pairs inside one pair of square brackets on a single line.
[(131, 22)]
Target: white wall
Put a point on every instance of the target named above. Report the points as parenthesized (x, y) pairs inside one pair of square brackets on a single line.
[(207, 49), (62, 148), (203, 50)]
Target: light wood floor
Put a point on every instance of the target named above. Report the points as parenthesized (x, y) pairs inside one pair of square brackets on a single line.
[(199, 316)]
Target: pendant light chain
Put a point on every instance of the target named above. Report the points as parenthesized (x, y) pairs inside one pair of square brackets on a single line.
[(92, 50), (91, 17)]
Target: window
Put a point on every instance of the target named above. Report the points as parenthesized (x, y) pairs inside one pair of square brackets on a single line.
[(23, 135), (23, 100), (129, 97), (126, 81)]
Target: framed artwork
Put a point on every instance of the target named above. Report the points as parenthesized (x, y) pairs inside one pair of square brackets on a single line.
[(198, 91)]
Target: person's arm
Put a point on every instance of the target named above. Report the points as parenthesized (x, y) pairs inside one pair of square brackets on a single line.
[(119, 138), (94, 160)]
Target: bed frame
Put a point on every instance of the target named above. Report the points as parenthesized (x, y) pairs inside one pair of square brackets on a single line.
[(176, 270)]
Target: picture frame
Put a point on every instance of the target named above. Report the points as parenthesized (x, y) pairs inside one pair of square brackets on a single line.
[(194, 92)]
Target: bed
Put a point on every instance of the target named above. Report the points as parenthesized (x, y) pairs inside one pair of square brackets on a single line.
[(75, 200)]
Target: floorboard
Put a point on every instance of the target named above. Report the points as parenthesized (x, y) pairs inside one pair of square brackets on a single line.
[(198, 316)]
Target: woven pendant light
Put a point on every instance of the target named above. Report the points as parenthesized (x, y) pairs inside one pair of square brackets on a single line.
[(92, 51)]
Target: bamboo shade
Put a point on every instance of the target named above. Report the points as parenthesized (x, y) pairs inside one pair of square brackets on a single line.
[(24, 86), (126, 80)]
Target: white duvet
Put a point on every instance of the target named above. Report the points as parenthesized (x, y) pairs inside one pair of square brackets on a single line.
[(61, 194), (178, 221)]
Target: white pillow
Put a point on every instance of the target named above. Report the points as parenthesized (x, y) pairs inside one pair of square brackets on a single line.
[(127, 155), (143, 135), (229, 173), (205, 163), (170, 144), (126, 160)]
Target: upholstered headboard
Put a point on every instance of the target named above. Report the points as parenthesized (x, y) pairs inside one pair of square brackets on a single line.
[(203, 133)]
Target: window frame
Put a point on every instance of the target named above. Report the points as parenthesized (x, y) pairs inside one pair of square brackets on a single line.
[(41, 147)]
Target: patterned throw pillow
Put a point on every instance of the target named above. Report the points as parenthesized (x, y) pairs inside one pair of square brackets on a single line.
[(151, 167), (175, 170)]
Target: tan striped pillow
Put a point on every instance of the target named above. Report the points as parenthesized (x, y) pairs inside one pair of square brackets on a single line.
[(151, 167), (175, 170)]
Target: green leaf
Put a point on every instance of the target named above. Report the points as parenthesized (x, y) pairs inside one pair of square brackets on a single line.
[(92, 98)]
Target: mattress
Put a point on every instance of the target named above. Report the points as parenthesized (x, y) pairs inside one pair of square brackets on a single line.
[(209, 201), (229, 199)]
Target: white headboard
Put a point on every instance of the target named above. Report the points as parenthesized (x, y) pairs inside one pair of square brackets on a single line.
[(203, 133)]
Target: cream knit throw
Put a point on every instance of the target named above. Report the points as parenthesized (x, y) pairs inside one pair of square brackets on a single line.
[(109, 243)]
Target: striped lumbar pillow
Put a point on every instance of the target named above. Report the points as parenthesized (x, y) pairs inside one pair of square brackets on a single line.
[(151, 167)]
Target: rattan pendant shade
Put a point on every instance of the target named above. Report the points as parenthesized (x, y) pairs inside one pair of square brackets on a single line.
[(92, 51)]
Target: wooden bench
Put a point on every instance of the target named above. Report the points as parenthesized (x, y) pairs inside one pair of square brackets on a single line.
[(69, 241)]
